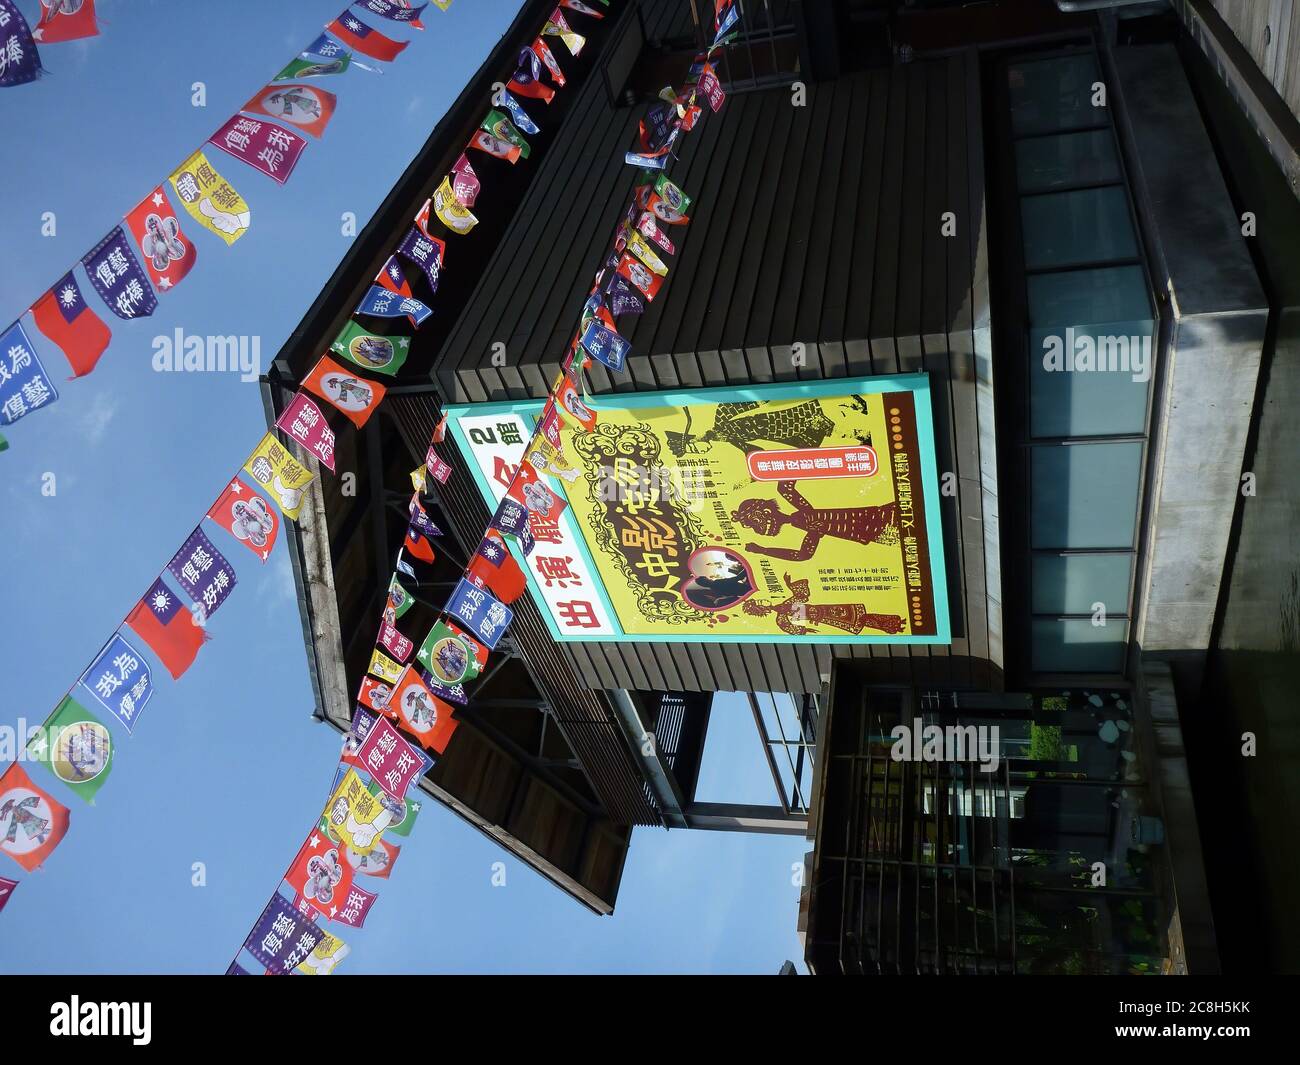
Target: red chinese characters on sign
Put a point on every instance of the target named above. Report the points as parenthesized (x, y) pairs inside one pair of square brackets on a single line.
[(578, 614), (813, 462), (389, 759), (303, 421)]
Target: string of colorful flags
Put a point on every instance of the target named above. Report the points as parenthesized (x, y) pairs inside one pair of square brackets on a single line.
[(147, 253), (408, 702)]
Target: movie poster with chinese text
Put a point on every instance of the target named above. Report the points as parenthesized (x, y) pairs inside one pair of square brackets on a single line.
[(773, 513)]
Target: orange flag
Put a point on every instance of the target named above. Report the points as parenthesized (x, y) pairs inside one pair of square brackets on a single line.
[(31, 821)]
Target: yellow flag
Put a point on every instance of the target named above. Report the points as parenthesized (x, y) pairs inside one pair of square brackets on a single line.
[(443, 4), (417, 478), (454, 216), (210, 199), (358, 818), (384, 667), (271, 466), (322, 961), (637, 245)]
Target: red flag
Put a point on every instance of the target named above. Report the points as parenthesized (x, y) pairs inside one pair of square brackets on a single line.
[(375, 694), (544, 53), (62, 315), (421, 713), (167, 627), (361, 38), (31, 822), (341, 388), (65, 23), (464, 182), (440, 430), (505, 580), (243, 513), (477, 649), (485, 142), (321, 874), (418, 544), (304, 106), (165, 251)]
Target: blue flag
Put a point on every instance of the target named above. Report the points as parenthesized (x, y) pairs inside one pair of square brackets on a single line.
[(387, 304), (120, 680), (517, 112), (484, 615), (24, 384)]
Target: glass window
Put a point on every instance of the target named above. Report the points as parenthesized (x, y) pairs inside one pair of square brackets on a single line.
[(1078, 646), (1071, 584), (1085, 495), (1068, 159), (1083, 226), (1052, 94)]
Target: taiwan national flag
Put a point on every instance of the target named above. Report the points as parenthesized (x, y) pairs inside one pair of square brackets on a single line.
[(494, 566), (62, 21), (357, 35), (62, 315), (166, 626)]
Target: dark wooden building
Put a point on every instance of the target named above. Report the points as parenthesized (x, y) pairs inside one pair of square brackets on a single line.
[(890, 188)]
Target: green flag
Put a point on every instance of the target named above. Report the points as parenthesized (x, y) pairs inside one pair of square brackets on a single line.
[(4, 444), (404, 826), (502, 128), (313, 68), (370, 351), (399, 598), (75, 747), (672, 195), (447, 656)]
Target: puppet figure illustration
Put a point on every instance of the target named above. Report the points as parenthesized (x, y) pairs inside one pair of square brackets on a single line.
[(24, 815), (862, 525), (798, 617), (749, 428)]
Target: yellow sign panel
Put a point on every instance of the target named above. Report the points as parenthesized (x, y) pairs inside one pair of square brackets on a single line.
[(768, 514)]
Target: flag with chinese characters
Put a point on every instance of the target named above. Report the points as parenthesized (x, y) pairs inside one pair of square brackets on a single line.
[(304, 423), (384, 302), (425, 251), (283, 938), (370, 351), (356, 817), (384, 667), (167, 627), (397, 645), (712, 88), (398, 12), (203, 572), (32, 822), (76, 747), (637, 246), (320, 874), (262, 145), (520, 117), (356, 907), (325, 958), (19, 60), (303, 106), (356, 397), (167, 253), (284, 477), (62, 315), (482, 613), (322, 57), (24, 384), (448, 656), (116, 274), (249, 518), (210, 199), (120, 679), (439, 470), (422, 713), (361, 38), (605, 345), (63, 21), (449, 210), (390, 760)]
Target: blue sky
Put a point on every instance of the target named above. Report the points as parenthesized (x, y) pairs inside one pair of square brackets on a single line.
[(227, 767)]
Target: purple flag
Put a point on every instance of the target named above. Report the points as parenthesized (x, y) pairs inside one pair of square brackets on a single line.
[(19, 60), (262, 145), (202, 571), (303, 421), (116, 274), (511, 517), (421, 520), (6, 890), (356, 906), (623, 299), (396, 12), (282, 937), (425, 252)]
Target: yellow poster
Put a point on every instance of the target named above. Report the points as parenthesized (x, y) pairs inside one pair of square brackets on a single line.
[(210, 198), (325, 958), (453, 214), (283, 476), (357, 818), (770, 513)]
